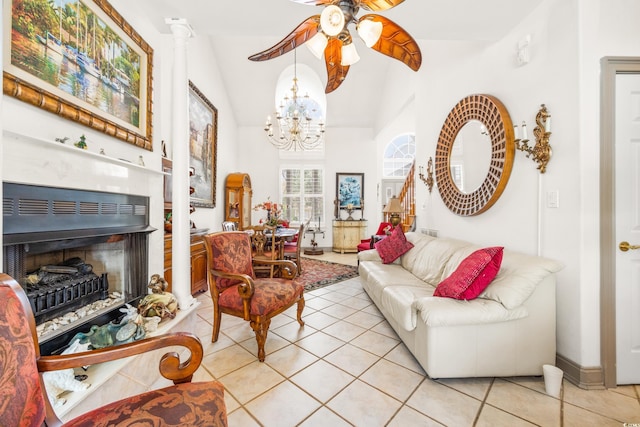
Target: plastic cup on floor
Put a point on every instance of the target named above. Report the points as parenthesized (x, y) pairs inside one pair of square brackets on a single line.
[(552, 380)]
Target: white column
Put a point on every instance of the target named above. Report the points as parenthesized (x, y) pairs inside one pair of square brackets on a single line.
[(181, 251)]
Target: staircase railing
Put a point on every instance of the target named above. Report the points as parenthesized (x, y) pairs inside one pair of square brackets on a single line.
[(407, 199)]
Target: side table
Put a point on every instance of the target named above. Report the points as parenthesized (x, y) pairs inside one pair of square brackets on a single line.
[(313, 250)]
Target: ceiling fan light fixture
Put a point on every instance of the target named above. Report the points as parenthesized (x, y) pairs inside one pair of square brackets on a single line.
[(369, 31), (349, 55), (332, 20), (317, 44)]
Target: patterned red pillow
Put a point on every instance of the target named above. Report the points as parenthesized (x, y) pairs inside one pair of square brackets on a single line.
[(393, 246), (473, 275)]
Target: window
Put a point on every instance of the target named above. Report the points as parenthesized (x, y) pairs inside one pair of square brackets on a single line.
[(399, 155), (302, 194)]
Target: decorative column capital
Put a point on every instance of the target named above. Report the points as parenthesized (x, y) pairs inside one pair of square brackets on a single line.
[(180, 28)]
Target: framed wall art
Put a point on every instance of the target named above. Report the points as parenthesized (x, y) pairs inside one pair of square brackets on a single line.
[(203, 130), (349, 190), (82, 61)]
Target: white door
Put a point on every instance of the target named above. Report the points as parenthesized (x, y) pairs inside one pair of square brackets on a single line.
[(627, 208)]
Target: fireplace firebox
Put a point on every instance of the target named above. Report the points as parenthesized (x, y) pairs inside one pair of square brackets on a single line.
[(48, 227)]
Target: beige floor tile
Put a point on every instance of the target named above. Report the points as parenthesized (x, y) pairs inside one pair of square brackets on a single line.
[(323, 417), (474, 387), (230, 402), (531, 405), (627, 390), (336, 297), (393, 379), (322, 380), (227, 360), (573, 416), (494, 417), (281, 320), (318, 303), (534, 383), (238, 333), (283, 405), (290, 359), (320, 344), (403, 357), (274, 343), (210, 347), (352, 359), (363, 405), (385, 329), (241, 418), (375, 343), (339, 311), (319, 320), (344, 331), (372, 309), (251, 381), (364, 319), (293, 332), (605, 402), (443, 404), (407, 417), (347, 290)]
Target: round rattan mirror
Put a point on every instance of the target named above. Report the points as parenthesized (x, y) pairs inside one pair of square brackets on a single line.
[(489, 111)]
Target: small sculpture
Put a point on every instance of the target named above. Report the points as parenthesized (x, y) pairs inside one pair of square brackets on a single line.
[(159, 302), (57, 382), (82, 143), (62, 140)]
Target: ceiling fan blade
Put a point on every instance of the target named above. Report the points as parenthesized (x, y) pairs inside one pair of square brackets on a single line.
[(316, 2), (303, 32), (378, 5), (336, 73), (396, 42)]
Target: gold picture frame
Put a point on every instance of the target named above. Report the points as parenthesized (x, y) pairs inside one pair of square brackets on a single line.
[(203, 144), (82, 61)]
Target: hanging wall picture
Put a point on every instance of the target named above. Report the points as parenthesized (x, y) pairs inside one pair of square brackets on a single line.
[(349, 190), (82, 61), (203, 130)]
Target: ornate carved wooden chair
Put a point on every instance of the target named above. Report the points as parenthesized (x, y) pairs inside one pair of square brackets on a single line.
[(229, 226), (292, 249), (23, 401), (265, 247), (236, 291)]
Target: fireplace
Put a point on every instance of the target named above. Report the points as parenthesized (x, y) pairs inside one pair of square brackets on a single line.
[(70, 248)]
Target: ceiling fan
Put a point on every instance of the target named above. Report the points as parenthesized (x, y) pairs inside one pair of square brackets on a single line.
[(328, 34)]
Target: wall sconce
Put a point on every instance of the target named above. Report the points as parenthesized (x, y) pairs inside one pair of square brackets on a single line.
[(428, 181), (541, 151)]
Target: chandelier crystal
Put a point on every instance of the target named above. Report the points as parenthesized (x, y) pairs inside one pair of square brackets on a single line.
[(296, 127)]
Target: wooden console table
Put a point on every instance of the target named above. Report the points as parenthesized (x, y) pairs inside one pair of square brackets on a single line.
[(348, 234), (198, 263)]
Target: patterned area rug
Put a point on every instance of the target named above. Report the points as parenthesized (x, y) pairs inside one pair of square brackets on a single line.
[(317, 274)]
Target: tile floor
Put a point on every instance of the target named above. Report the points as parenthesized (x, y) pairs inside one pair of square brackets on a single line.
[(347, 367)]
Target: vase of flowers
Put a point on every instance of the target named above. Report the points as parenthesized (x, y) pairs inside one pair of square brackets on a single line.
[(274, 212)]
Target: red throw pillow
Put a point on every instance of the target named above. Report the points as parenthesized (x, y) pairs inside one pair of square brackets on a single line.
[(473, 275), (393, 246)]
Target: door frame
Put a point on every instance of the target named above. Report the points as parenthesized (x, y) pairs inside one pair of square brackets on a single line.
[(610, 68)]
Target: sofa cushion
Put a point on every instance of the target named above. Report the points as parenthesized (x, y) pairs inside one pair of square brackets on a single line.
[(393, 246), (473, 274), (376, 276), (429, 261), (518, 277), (451, 312), (398, 301)]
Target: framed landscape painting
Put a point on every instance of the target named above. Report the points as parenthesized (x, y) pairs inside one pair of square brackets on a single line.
[(80, 60), (349, 190), (203, 130)]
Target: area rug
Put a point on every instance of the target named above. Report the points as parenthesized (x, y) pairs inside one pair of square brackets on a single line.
[(317, 274)]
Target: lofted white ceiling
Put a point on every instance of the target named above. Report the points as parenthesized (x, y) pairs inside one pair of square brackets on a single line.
[(240, 28)]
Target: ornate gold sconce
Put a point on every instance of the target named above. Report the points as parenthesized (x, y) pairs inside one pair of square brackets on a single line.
[(541, 151), (428, 181)]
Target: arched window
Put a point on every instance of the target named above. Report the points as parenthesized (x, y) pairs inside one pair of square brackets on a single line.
[(399, 155)]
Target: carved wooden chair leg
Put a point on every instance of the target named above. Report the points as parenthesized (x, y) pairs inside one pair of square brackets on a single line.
[(300, 308), (217, 318), (261, 328)]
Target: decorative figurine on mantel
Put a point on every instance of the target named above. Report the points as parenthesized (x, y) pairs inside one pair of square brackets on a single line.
[(82, 143), (158, 303), (62, 140)]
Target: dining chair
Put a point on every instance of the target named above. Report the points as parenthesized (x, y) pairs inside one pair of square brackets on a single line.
[(265, 247), (292, 249), (24, 402), (235, 289), (229, 226)]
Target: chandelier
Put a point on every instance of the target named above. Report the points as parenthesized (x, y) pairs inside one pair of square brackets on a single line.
[(296, 127)]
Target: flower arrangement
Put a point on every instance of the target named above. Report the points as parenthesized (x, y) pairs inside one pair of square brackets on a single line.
[(274, 211)]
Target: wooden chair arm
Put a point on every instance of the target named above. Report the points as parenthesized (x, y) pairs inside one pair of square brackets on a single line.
[(289, 268), (246, 288), (170, 366)]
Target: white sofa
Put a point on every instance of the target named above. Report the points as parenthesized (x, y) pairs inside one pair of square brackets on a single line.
[(509, 330)]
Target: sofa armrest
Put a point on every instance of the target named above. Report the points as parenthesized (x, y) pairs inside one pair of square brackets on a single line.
[(369, 255)]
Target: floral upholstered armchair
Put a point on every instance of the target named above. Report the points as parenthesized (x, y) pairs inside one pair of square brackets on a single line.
[(24, 403), (235, 289), (383, 230)]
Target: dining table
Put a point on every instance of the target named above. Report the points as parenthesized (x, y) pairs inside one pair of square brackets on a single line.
[(283, 234)]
